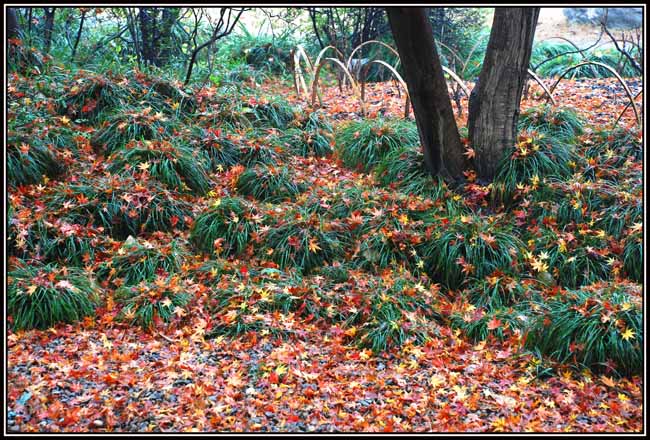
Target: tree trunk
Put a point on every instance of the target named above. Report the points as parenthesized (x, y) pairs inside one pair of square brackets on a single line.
[(12, 24), (443, 150), (147, 29), (76, 41), (49, 27), (494, 102)]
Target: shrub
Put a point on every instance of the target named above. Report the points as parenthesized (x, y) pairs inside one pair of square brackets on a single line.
[(305, 241), (177, 166), (41, 296), (226, 227), (28, 162), (141, 260), (592, 327), (148, 302), (268, 183), (364, 143)]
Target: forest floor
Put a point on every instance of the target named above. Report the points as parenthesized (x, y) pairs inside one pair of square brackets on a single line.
[(103, 375)]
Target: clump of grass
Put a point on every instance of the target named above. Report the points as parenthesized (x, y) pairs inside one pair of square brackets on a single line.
[(42, 296), (557, 123), (225, 228), (121, 205), (633, 253), (268, 183), (392, 313), (136, 124), (221, 149), (314, 137), (534, 157), (142, 260), (147, 303), (28, 162), (577, 256), (362, 144), (256, 149), (480, 324), (598, 327), (471, 246), (91, 95), (305, 240), (270, 114), (177, 166), (403, 169)]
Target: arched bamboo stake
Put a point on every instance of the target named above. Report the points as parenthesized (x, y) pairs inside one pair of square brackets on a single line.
[(341, 57), (314, 90), (452, 51), (620, 79), (365, 43), (298, 75), (546, 90), (625, 108), (457, 79), (400, 80)]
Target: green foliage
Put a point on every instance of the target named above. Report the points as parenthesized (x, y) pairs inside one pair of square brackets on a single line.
[(149, 302), (268, 183), (587, 327), (226, 227), (313, 137), (362, 144), (29, 161), (142, 260), (471, 246), (497, 291), (177, 166), (42, 296)]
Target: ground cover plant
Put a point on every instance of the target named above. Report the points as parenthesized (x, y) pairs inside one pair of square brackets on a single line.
[(218, 254)]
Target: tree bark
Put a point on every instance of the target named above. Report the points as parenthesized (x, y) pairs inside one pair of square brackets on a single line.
[(76, 41), (494, 102), (443, 150)]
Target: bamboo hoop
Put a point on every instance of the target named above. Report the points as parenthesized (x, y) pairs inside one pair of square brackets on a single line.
[(616, 74), (341, 66), (396, 75)]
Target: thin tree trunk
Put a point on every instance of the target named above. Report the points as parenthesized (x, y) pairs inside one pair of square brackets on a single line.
[(443, 150), (494, 102), (76, 41)]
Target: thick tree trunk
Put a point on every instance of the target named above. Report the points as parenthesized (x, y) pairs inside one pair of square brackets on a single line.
[(147, 29), (443, 151), (494, 102), (12, 23)]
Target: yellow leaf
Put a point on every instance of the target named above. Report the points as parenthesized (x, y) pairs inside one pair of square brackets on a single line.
[(628, 334)]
